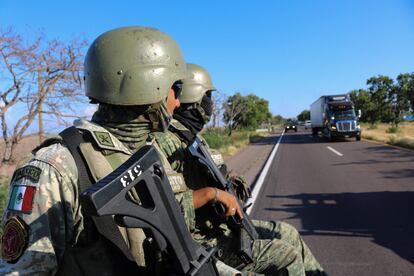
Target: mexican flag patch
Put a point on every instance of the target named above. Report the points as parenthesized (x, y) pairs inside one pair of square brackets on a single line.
[(21, 198)]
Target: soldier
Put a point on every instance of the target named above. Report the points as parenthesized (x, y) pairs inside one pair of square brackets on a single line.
[(280, 247), (129, 72)]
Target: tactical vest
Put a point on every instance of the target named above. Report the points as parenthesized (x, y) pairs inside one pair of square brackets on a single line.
[(91, 253)]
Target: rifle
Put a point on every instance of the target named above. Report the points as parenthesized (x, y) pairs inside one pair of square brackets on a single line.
[(158, 213), (245, 227)]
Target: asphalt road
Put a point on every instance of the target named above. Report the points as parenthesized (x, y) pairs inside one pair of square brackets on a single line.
[(353, 203)]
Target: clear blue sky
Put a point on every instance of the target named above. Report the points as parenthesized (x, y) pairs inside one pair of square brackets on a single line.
[(288, 52)]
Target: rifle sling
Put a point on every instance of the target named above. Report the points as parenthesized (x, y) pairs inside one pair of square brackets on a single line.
[(105, 224)]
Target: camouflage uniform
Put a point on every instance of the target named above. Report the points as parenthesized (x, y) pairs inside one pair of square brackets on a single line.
[(280, 247)]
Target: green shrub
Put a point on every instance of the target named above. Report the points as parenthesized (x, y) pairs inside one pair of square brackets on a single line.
[(393, 129), (218, 138)]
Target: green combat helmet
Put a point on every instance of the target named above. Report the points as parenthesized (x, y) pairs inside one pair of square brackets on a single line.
[(196, 85), (132, 66)]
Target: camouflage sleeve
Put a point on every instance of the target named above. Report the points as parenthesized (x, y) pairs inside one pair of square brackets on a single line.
[(182, 193), (39, 217), (171, 146), (185, 199)]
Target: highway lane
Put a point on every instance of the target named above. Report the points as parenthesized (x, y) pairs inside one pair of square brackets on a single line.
[(355, 209)]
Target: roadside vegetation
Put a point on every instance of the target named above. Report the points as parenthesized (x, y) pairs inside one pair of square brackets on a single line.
[(386, 100), (218, 139), (384, 105), (403, 136)]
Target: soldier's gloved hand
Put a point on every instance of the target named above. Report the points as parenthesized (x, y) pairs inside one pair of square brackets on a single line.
[(231, 204)]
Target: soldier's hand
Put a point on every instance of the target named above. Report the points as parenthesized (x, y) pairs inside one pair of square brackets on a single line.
[(231, 204)]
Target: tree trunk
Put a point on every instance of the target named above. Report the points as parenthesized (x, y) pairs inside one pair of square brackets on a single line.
[(7, 152)]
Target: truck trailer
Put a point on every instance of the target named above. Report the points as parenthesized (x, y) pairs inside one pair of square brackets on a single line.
[(334, 116)]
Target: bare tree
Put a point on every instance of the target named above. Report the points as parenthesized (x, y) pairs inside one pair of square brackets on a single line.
[(42, 78)]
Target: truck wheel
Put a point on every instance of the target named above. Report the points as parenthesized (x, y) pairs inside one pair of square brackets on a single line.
[(314, 131), (358, 138)]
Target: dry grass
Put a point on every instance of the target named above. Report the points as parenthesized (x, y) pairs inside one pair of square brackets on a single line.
[(404, 137)]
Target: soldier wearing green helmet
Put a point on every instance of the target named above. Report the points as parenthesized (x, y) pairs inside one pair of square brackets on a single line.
[(279, 247), (195, 100), (141, 73), (129, 72)]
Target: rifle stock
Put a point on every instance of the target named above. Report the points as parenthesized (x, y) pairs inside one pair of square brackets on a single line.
[(158, 213)]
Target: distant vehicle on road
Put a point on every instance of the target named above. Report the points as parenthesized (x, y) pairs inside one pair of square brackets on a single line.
[(308, 124), (335, 116), (291, 125)]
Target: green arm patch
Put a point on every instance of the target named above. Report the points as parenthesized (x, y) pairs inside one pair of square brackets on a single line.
[(104, 138), (31, 172)]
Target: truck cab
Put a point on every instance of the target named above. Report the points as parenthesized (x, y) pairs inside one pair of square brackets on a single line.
[(342, 121)]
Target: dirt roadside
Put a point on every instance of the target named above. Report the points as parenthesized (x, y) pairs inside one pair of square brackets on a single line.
[(250, 160)]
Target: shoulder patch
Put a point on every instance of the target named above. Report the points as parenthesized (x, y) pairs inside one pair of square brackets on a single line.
[(104, 138), (14, 240), (31, 172), (21, 199)]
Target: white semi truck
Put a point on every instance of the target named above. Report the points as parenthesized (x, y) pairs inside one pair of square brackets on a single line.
[(334, 116)]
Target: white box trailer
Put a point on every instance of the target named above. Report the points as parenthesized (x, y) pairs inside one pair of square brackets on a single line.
[(316, 112)]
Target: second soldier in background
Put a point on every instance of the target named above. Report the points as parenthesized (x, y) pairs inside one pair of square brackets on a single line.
[(279, 248)]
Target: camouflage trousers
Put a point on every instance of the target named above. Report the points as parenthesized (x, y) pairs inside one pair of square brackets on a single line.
[(279, 251)]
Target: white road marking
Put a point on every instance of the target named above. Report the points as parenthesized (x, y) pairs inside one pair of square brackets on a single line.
[(334, 151), (259, 183)]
